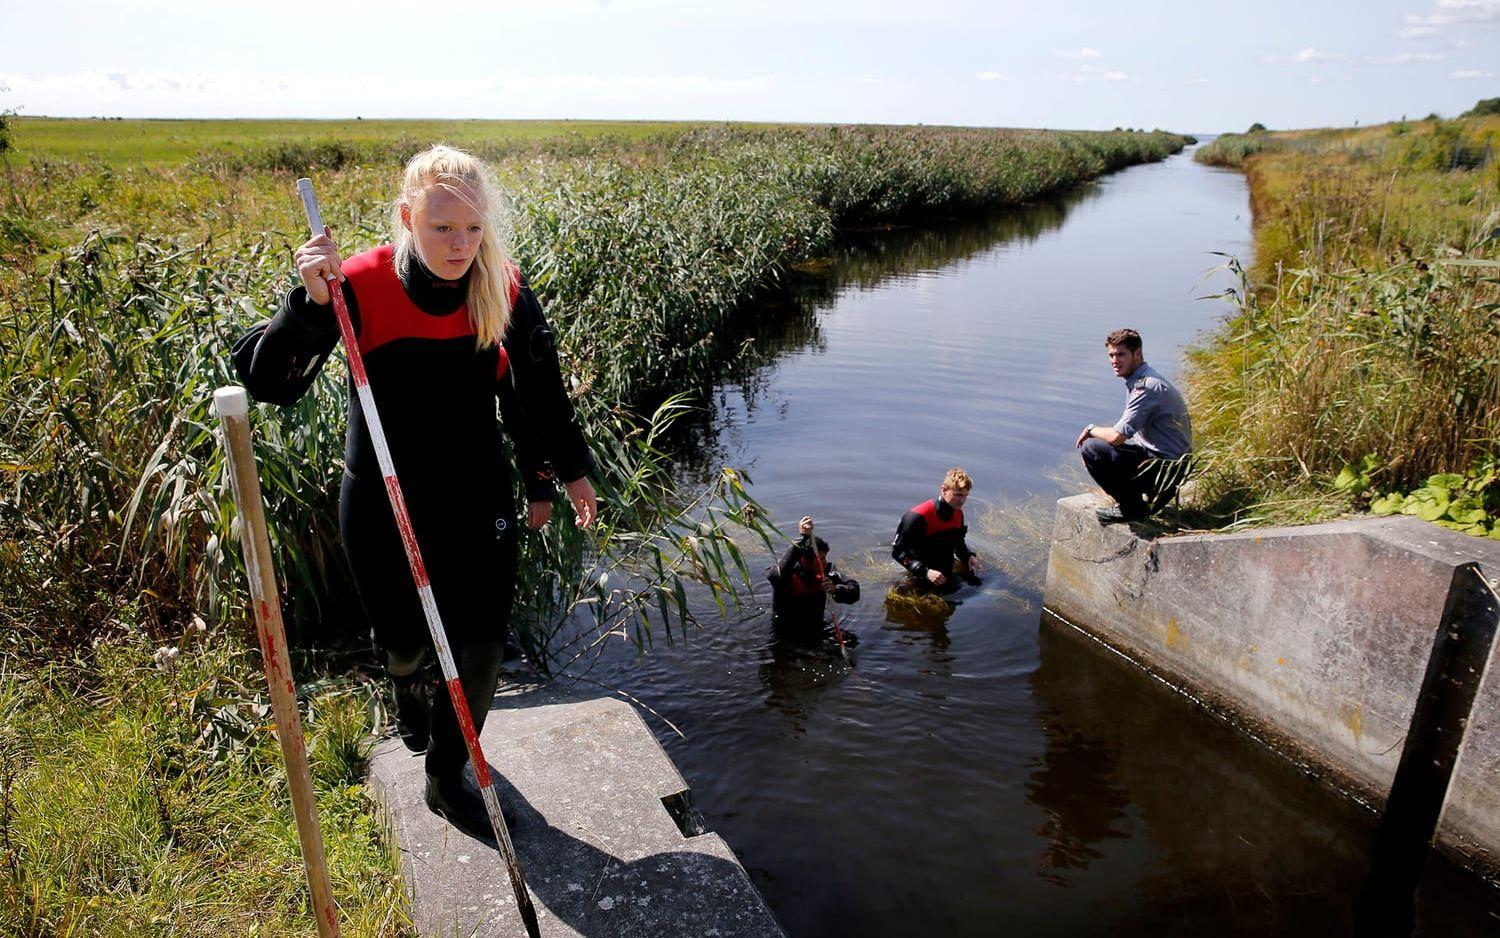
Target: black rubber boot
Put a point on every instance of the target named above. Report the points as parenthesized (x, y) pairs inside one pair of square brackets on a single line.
[(1117, 515), (457, 798), (413, 694)]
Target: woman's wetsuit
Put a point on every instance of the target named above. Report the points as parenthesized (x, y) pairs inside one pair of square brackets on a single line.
[(436, 396)]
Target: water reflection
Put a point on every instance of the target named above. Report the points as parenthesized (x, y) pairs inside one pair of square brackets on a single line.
[(792, 666), (786, 318), (1074, 783), (1243, 845), (870, 257)]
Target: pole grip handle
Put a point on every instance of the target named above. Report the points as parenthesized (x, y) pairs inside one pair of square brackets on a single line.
[(310, 205)]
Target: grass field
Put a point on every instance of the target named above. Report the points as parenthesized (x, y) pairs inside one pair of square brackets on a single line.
[(165, 142)]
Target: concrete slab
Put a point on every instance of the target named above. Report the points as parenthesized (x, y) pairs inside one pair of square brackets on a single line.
[(1315, 638), (600, 850)]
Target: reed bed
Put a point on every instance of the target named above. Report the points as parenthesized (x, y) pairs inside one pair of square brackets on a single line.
[(124, 286), (1364, 353)]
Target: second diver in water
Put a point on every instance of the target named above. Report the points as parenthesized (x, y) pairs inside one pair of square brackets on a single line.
[(801, 583), (930, 541)]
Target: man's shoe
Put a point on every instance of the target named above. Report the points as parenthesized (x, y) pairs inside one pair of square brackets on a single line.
[(1116, 516), (457, 798), (413, 694)]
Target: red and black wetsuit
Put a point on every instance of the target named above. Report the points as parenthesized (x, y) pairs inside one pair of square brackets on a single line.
[(931, 537), (437, 400), (797, 595)]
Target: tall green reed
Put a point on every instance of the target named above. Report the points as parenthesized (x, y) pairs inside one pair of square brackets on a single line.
[(1367, 333)]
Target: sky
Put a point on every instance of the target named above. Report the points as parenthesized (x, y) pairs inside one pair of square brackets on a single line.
[(1198, 67)]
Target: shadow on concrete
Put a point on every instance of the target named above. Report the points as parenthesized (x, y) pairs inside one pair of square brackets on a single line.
[(591, 891), (605, 832)]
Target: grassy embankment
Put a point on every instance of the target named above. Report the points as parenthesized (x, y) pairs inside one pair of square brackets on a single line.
[(141, 790), (1362, 370)]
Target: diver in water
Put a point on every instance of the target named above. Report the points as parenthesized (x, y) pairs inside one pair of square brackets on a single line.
[(801, 583), (930, 543)]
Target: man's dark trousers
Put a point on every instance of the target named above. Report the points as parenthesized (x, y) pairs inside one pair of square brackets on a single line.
[(1117, 470)]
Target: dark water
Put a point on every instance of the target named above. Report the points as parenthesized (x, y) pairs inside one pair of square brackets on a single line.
[(988, 771)]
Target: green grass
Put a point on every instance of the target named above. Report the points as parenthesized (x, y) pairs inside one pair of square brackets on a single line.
[(145, 796), (122, 142)]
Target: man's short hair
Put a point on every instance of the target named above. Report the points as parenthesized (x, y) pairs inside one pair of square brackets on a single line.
[(957, 480), (1124, 338)]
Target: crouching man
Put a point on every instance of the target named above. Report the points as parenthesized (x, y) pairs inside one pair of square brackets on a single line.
[(1128, 460)]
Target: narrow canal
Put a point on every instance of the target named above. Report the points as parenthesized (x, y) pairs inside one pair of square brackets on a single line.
[(987, 772)]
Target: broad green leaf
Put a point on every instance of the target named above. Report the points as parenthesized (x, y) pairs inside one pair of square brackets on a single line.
[(1388, 504), (1467, 511), (1432, 508)]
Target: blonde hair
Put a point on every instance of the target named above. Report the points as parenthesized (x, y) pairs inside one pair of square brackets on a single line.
[(492, 276), (958, 480)]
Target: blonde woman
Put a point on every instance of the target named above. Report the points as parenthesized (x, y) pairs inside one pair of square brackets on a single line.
[(447, 326)]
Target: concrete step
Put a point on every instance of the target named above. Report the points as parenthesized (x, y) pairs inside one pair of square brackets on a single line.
[(599, 847)]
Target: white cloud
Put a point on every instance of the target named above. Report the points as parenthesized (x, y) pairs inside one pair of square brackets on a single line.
[(1303, 56), (991, 76), (1198, 81), (1084, 53), (868, 79), (1407, 58), (1471, 73), (1453, 13), (1115, 76), (1417, 32)]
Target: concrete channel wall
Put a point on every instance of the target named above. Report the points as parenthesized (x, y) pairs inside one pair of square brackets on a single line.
[(1315, 639)]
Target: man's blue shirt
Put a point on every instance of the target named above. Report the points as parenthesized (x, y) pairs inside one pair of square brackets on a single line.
[(1156, 416)]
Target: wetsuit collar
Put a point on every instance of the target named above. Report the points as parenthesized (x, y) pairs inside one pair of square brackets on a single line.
[(944, 510), (431, 293)]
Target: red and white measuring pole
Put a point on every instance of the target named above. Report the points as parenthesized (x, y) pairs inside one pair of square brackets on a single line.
[(419, 574)]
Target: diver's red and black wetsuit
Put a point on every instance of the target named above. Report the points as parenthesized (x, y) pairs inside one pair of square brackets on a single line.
[(797, 595), (437, 400), (931, 537)]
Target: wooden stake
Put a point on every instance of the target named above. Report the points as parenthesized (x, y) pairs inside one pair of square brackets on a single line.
[(233, 409)]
